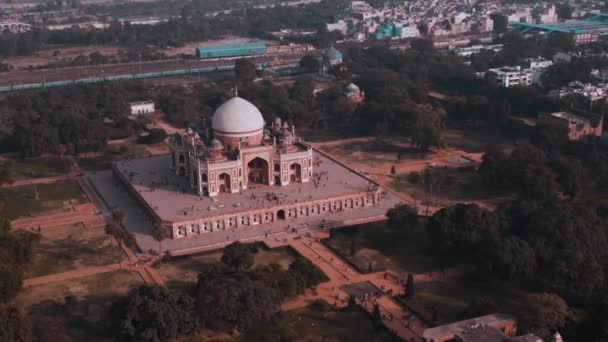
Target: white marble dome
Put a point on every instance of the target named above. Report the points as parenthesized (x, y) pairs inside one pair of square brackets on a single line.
[(237, 116)]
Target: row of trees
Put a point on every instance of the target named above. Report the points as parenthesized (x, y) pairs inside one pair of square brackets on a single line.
[(16, 255), (230, 297), (68, 120), (193, 26)]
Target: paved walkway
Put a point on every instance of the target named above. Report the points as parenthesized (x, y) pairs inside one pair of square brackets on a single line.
[(340, 274)]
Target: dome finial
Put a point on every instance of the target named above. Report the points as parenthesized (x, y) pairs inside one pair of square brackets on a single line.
[(236, 89)]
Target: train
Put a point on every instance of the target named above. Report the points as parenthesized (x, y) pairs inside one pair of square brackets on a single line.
[(138, 76)]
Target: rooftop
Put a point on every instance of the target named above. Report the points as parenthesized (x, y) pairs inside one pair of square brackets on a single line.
[(570, 117), (455, 328), (484, 333), (170, 194), (141, 103)]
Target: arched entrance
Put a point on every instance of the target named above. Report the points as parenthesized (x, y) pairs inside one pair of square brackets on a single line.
[(257, 171), (224, 182), (182, 171), (205, 191), (204, 178), (277, 180), (295, 172), (281, 214)]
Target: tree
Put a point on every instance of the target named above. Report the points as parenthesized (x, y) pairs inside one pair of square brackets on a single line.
[(462, 228), (305, 273), (159, 233), (15, 325), (155, 135), (153, 314), (309, 63), (402, 215), (376, 316), (16, 255), (409, 286), (6, 172), (564, 11), (544, 314), (245, 70), (234, 302), (119, 216), (237, 256), (500, 22)]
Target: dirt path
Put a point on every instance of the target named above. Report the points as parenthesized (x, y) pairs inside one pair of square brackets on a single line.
[(85, 213)]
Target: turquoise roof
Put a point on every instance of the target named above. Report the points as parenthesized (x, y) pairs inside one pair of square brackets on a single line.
[(332, 54)]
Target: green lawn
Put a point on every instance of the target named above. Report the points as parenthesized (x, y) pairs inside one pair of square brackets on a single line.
[(70, 247), (39, 167), (450, 185), (374, 153), (323, 135), (72, 310), (450, 298), (182, 272), (21, 201), (311, 324), (403, 250), (111, 153)]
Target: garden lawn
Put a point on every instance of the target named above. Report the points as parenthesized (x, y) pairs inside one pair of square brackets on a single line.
[(449, 186), (400, 250), (182, 272), (39, 167), (103, 160), (311, 324), (71, 247), (21, 201), (72, 310), (450, 298)]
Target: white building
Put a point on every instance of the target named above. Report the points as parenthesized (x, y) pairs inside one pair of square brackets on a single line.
[(340, 26), (512, 76), (407, 31), (538, 67), (142, 107)]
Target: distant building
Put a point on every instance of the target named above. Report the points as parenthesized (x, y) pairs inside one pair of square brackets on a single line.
[(579, 127), (562, 57), (512, 76), (591, 92), (331, 57), (469, 50), (142, 107), (538, 67), (340, 26), (353, 93), (497, 327)]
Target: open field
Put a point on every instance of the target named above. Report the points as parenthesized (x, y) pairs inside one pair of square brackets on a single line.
[(70, 310), (475, 140), (39, 167), (448, 185), (375, 153), (56, 54), (322, 135), (21, 201), (72, 247), (451, 298), (103, 159), (182, 272), (402, 251), (314, 324)]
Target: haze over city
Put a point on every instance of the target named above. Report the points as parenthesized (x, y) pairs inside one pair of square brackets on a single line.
[(306, 170)]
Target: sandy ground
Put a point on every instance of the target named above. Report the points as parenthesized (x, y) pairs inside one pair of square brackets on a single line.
[(47, 56)]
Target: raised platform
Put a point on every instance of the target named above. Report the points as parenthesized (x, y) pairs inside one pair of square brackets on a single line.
[(177, 206)]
